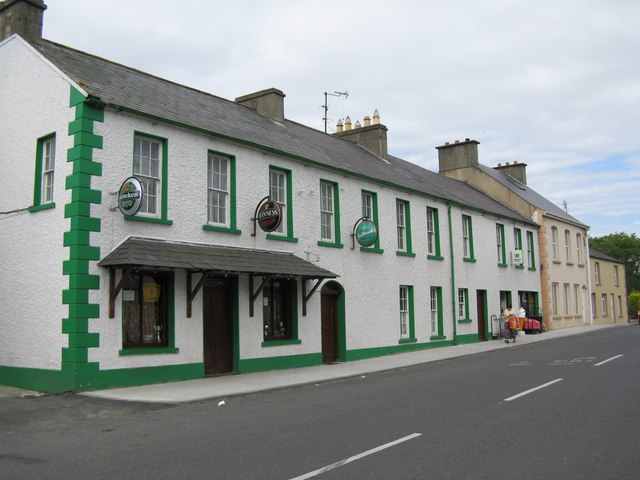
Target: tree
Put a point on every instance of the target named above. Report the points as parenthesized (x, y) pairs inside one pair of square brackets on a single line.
[(634, 302), (623, 247)]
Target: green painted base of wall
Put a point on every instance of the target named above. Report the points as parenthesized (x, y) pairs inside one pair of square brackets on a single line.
[(85, 377), (471, 338), (279, 363), (37, 379), (381, 351)]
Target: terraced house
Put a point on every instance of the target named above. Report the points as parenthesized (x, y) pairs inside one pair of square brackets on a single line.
[(152, 232)]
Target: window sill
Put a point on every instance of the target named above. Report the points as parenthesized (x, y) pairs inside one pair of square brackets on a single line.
[(465, 320), (282, 238), (405, 254), (557, 262), (570, 264), (472, 260), (503, 265), (438, 337), (147, 351), (434, 257), (37, 208), (521, 267), (330, 244), (213, 228), (278, 343), (581, 265), (532, 269), (371, 249), (161, 221), (408, 340)]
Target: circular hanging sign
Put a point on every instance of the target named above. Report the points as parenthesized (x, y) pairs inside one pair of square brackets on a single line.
[(130, 196), (269, 215), (366, 233)]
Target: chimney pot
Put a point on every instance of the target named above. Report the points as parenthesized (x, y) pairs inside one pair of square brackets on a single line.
[(347, 123), (376, 117), (457, 141), (467, 139), (357, 125), (367, 121), (339, 126)]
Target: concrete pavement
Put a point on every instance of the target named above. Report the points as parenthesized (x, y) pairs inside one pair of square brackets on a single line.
[(231, 385)]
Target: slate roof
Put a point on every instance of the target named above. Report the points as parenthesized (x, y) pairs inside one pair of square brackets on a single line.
[(139, 92), (147, 252), (529, 195), (595, 253)]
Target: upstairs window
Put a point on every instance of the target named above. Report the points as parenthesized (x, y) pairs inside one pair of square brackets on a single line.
[(433, 233), (567, 245), (218, 190), (467, 238), (554, 243), (44, 173), (501, 251), (147, 167)]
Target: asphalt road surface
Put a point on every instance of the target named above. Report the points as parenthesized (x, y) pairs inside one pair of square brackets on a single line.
[(562, 409)]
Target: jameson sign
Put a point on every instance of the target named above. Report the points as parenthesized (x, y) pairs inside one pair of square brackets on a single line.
[(269, 215), (130, 196)]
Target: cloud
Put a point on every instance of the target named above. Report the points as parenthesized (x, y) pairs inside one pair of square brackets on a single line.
[(552, 84)]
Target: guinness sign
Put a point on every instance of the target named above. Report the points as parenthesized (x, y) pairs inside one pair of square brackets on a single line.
[(269, 215)]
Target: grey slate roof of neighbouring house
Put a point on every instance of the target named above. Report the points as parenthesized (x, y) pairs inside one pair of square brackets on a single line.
[(528, 194), (146, 252), (595, 253), (141, 93)]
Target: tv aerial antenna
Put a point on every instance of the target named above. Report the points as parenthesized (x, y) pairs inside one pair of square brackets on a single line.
[(344, 94)]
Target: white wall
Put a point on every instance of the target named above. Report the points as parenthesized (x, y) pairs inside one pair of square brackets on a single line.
[(34, 101)]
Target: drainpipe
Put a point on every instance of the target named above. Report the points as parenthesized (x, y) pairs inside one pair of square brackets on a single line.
[(453, 277)]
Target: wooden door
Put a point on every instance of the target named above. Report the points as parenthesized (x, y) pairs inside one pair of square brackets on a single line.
[(329, 300), (217, 327), (482, 319)]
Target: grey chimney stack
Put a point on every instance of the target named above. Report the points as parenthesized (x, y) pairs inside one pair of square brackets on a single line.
[(23, 17), (269, 103), (458, 155), (372, 137), (515, 169)]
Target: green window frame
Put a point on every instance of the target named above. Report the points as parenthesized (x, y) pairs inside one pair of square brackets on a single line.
[(406, 311), (517, 242), (221, 193), (436, 314), (151, 168), (280, 190), (531, 252), (433, 234), (329, 214), (403, 228), (467, 239), (44, 173), (463, 305), (500, 246), (369, 202)]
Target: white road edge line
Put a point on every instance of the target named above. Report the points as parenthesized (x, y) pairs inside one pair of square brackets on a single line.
[(607, 360), (532, 390), (356, 457)]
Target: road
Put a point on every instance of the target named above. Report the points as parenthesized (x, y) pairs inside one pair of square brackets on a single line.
[(565, 409)]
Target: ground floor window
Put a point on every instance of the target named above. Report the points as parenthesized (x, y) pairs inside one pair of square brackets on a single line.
[(144, 309), (279, 309), (529, 301)]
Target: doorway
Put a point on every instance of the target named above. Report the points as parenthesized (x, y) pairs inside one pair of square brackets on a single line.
[(217, 326), (481, 304), (330, 300)]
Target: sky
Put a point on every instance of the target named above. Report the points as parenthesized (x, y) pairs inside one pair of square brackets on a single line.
[(554, 84)]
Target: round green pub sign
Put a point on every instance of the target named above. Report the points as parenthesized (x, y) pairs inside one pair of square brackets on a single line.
[(366, 233), (130, 196)]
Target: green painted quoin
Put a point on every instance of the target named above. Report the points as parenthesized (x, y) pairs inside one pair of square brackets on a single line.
[(77, 372)]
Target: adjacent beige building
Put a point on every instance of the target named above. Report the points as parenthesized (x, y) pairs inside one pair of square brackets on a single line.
[(561, 253), (608, 289)]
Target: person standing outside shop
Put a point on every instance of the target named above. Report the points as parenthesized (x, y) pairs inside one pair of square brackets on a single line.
[(512, 323)]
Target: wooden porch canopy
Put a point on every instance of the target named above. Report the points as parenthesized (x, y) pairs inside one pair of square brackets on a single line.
[(136, 252)]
